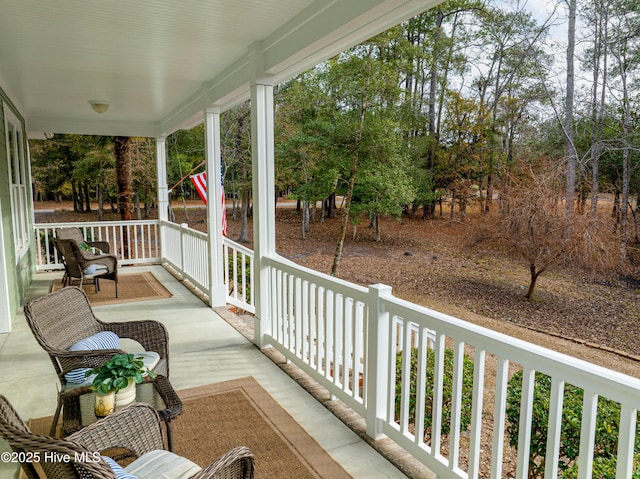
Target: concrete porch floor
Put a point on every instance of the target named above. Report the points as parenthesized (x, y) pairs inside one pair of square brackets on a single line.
[(204, 349)]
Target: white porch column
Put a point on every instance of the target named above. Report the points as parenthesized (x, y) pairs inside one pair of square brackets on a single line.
[(161, 168), (163, 191), (218, 291), (264, 208)]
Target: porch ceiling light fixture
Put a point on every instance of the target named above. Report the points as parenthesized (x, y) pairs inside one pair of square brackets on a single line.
[(99, 106)]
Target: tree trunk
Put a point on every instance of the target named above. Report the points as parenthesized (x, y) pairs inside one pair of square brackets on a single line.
[(345, 215), (87, 199), (572, 154), (100, 204), (77, 207), (305, 219), (137, 207), (244, 213), (533, 279), (349, 195), (428, 208), (122, 146), (122, 149)]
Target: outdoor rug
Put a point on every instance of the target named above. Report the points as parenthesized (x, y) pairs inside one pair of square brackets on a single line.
[(219, 417), (131, 287)]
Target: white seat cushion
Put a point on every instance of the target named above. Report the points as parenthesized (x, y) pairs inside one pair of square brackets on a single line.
[(149, 358), (162, 465), (94, 269)]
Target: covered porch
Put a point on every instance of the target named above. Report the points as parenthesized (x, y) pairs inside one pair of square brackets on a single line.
[(204, 349), (163, 70)]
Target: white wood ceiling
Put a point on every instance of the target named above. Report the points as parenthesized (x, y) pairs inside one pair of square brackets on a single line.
[(161, 62)]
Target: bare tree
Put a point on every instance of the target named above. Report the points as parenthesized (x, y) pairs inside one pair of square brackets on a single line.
[(534, 227)]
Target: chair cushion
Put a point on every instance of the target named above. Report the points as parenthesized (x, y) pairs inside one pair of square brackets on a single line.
[(150, 359), (95, 269), (160, 464), (117, 469), (101, 340)]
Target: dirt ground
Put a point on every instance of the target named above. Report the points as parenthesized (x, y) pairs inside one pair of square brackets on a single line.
[(426, 262)]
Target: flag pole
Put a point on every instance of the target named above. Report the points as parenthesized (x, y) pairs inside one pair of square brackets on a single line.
[(187, 175)]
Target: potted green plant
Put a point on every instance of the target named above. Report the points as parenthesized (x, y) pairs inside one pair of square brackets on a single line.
[(118, 376)]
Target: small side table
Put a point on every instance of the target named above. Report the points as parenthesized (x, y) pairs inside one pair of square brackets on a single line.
[(78, 405)]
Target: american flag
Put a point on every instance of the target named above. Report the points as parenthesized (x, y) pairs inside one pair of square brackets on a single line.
[(200, 183)]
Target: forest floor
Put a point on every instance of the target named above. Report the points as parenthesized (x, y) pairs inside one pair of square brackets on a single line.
[(429, 263)]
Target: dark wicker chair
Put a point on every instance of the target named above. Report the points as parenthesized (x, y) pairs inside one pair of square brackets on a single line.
[(74, 252), (64, 317), (132, 431), (75, 269)]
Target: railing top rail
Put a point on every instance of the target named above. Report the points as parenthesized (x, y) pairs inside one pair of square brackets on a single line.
[(618, 386), (185, 227), (86, 224), (237, 246), (329, 282)]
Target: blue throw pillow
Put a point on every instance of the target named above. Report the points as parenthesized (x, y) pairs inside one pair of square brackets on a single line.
[(117, 469), (101, 340)]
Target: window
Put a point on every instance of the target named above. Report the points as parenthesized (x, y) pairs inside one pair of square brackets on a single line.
[(18, 181)]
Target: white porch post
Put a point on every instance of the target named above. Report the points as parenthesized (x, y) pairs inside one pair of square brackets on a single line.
[(264, 208), (163, 192), (161, 168), (218, 292)]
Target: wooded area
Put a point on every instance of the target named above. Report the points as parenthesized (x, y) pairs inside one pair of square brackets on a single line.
[(469, 107)]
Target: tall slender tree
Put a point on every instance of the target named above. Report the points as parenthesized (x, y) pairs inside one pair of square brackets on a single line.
[(572, 154)]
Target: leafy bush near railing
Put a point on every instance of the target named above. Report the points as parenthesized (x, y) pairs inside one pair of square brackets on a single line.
[(607, 427), (603, 468), (467, 389)]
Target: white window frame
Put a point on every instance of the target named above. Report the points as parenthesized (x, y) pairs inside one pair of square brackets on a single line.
[(19, 188)]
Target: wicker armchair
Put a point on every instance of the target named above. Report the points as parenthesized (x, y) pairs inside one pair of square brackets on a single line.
[(132, 432), (72, 242), (62, 318), (74, 269)]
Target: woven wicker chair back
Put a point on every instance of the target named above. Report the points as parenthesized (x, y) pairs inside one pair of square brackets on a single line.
[(61, 318), (67, 251), (49, 452), (73, 234)]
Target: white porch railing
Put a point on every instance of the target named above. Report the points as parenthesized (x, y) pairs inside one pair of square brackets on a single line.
[(141, 237), (238, 275), (184, 249), (349, 338), (354, 341)]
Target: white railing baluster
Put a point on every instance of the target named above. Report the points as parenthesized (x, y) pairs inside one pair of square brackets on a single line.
[(555, 428), (499, 416), (587, 434), (628, 420), (438, 385), (524, 429), (456, 405), (475, 444)]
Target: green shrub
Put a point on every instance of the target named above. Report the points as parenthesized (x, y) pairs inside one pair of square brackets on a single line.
[(607, 425), (467, 390), (603, 468)]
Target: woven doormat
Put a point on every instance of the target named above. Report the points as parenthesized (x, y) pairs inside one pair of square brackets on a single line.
[(131, 287)]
